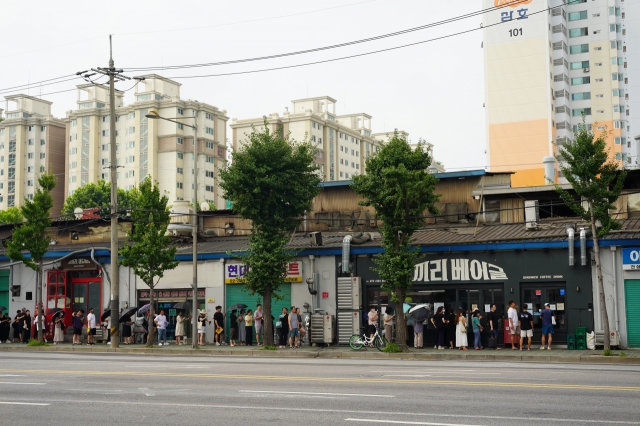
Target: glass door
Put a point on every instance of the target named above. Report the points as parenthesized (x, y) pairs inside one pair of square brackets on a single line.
[(536, 296)]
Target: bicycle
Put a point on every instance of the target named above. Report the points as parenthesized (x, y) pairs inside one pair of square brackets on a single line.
[(357, 342)]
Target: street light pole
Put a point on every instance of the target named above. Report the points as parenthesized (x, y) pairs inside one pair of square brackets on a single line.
[(194, 219)]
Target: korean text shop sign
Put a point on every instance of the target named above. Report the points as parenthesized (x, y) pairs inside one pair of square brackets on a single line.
[(631, 259), (234, 273)]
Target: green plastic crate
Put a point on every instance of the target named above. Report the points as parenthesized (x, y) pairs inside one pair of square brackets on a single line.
[(571, 338), (581, 347), (571, 346), (581, 331), (581, 339)]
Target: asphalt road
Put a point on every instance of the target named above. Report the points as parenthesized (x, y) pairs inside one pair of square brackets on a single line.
[(105, 389)]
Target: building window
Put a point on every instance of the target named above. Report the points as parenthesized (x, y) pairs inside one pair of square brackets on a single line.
[(208, 130), (209, 145), (180, 170), (617, 76), (180, 156), (105, 147), (579, 65), (208, 116), (180, 111), (180, 126), (578, 112), (179, 185), (578, 32), (30, 169), (209, 159), (209, 188), (105, 119), (341, 161), (580, 96), (180, 141), (131, 130), (74, 122), (42, 155), (576, 16), (31, 156), (43, 142), (131, 115), (208, 173), (341, 174), (580, 80)]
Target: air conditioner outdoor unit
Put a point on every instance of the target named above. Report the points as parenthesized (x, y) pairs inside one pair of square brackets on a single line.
[(316, 239), (614, 339), (348, 325), (322, 330), (531, 214), (586, 69), (348, 290)]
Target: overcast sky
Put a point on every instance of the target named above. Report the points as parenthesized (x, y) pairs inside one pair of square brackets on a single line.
[(434, 90)]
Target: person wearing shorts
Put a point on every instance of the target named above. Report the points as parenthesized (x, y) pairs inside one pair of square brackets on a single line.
[(514, 325), (294, 329), (548, 318), (526, 326), (77, 328), (258, 317)]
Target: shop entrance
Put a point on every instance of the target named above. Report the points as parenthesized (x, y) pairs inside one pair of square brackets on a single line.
[(236, 293), (632, 301), (536, 296), (87, 294), (4, 289)]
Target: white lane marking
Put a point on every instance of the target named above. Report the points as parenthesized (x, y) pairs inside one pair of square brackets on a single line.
[(406, 423), (21, 403), (20, 383), (317, 393), (422, 369), (11, 375), (407, 375), (146, 391)]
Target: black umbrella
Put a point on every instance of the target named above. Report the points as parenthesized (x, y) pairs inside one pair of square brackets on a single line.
[(237, 306), (105, 314), (420, 314), (128, 313), (2, 309), (182, 305), (57, 314), (50, 311)]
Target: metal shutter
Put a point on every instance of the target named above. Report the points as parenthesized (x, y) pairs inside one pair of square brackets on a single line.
[(632, 301)]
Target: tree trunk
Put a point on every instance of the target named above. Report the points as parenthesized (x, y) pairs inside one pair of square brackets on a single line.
[(401, 325), (152, 325), (40, 310), (268, 323), (603, 301)]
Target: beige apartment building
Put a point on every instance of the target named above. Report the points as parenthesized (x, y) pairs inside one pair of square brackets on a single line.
[(156, 148), (548, 62), (344, 141), (32, 142)]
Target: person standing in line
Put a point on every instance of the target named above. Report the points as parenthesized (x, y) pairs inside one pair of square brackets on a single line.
[(284, 328), (477, 329), (548, 319), (294, 328), (450, 328), (300, 327), (26, 327), (127, 334), (526, 326), (439, 324), (461, 331), (77, 328), (39, 322), (248, 324), (218, 324), (161, 322), (514, 328), (389, 321), (5, 328), (418, 330), (58, 334), (202, 327), (373, 322), (258, 317), (91, 327), (179, 328), (17, 327), (233, 320), (493, 318), (107, 326), (242, 335)]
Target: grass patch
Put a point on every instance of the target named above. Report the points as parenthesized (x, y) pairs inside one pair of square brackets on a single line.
[(268, 348), (36, 342), (622, 354), (607, 352), (392, 348)]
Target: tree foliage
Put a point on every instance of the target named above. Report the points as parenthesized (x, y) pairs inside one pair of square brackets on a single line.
[(399, 188), (147, 252), (597, 181), (98, 195), (10, 216), (31, 236), (271, 182)]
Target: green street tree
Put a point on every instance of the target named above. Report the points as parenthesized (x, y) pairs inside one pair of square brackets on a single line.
[(97, 195), (399, 188), (32, 235), (10, 216), (597, 181), (271, 182), (148, 252)]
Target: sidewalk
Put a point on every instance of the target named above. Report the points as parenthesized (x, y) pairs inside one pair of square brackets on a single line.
[(344, 352)]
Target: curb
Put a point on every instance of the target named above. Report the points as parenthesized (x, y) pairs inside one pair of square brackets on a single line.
[(579, 359)]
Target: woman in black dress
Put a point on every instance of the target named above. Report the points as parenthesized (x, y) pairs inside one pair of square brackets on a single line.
[(450, 317), (5, 328), (284, 330), (440, 326), (126, 329), (26, 327)]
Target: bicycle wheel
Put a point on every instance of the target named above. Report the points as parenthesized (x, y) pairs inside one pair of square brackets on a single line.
[(356, 342), (381, 343)]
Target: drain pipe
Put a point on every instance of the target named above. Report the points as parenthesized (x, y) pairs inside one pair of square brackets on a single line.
[(571, 234), (615, 285), (583, 246), (346, 251), (100, 265)]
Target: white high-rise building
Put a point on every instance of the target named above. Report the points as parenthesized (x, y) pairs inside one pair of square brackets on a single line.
[(548, 62), (159, 148)]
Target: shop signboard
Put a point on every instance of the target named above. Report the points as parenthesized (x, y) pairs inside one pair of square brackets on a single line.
[(234, 273), (440, 270), (631, 259), (79, 264), (143, 294)]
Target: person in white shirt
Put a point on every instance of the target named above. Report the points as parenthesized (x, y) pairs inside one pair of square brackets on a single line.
[(91, 325), (38, 321), (161, 323), (514, 327)]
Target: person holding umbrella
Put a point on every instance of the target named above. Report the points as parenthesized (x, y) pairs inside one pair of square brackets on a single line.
[(180, 319), (5, 327), (58, 321)]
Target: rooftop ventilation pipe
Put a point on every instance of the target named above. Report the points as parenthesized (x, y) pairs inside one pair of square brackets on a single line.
[(346, 251), (571, 240), (583, 246)]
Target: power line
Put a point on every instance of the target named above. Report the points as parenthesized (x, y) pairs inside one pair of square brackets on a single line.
[(38, 83), (319, 49)]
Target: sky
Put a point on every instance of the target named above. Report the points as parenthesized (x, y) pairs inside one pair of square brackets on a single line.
[(433, 90)]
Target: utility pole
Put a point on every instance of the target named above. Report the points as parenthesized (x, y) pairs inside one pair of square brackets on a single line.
[(113, 75), (194, 324)]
